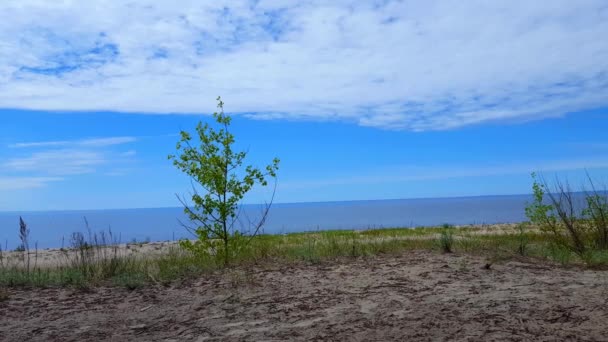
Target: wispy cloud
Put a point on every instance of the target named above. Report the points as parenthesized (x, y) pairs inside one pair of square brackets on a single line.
[(20, 183), (58, 162), (411, 65), (587, 146), (117, 172), (433, 172), (96, 142), (53, 161)]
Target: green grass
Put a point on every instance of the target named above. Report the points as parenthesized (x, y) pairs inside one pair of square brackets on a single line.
[(98, 264)]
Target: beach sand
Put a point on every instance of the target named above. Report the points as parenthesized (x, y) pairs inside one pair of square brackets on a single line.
[(415, 296)]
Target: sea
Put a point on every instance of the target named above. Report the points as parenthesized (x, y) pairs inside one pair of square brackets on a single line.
[(53, 229)]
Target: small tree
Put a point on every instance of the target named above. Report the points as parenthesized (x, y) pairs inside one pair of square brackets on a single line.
[(538, 212), (216, 168)]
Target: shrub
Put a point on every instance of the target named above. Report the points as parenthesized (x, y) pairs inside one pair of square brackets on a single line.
[(578, 228)]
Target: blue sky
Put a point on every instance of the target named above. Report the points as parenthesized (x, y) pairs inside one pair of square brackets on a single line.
[(360, 100)]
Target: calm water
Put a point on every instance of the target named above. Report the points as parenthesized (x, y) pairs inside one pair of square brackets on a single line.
[(48, 228)]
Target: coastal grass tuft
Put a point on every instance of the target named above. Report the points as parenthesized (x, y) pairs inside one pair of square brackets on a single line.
[(446, 240)]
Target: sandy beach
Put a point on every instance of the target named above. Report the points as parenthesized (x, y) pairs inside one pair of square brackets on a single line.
[(414, 296)]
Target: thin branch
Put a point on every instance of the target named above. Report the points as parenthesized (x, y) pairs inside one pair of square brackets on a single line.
[(266, 210), (190, 229), (564, 205), (193, 215), (597, 206)]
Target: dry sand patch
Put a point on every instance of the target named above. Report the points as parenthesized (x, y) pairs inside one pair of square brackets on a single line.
[(416, 296)]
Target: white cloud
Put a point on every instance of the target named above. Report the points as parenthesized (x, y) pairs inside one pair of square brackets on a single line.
[(412, 65), (20, 183), (95, 142)]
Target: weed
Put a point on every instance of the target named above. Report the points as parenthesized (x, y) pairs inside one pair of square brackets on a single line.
[(522, 238), (130, 281), (446, 240), (463, 266)]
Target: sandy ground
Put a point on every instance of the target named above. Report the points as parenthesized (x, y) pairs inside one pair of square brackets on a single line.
[(417, 296)]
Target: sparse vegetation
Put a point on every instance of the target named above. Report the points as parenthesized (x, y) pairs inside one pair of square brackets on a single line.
[(98, 258)]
